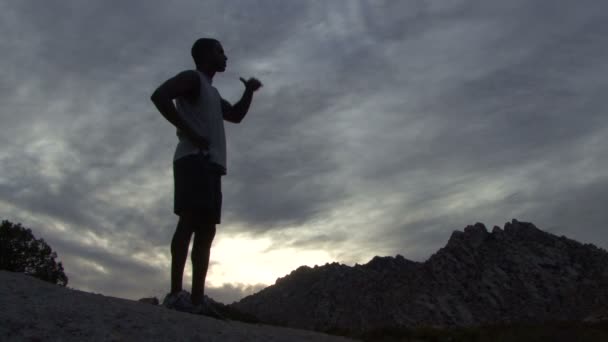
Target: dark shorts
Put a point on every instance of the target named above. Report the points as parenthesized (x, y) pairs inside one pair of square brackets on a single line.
[(198, 187)]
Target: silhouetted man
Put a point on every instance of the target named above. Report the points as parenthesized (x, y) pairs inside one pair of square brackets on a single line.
[(199, 163)]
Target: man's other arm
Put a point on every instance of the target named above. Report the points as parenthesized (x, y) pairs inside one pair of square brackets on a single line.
[(237, 112), (186, 83)]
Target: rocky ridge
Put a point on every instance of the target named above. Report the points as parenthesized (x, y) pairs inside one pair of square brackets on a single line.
[(516, 274)]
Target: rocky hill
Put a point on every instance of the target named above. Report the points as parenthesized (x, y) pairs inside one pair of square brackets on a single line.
[(516, 274), (34, 310)]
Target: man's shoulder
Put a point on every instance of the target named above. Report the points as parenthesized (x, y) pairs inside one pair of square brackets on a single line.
[(191, 80), (189, 74)]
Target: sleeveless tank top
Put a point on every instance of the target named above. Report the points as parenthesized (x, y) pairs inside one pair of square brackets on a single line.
[(205, 116)]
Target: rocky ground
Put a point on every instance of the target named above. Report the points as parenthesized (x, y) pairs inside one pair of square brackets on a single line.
[(33, 310)]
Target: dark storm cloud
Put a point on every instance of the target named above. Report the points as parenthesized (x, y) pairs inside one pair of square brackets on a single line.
[(95, 62), (541, 102), (83, 128), (282, 164), (436, 114), (514, 109)]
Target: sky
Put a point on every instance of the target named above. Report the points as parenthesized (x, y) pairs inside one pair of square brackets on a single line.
[(381, 128)]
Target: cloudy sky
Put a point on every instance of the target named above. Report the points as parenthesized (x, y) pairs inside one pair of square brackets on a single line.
[(382, 127)]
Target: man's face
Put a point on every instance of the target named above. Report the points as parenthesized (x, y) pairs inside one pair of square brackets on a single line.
[(218, 58)]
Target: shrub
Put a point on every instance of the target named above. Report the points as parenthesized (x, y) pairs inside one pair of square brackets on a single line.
[(21, 252)]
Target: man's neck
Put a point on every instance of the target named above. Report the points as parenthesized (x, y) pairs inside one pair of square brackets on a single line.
[(207, 71)]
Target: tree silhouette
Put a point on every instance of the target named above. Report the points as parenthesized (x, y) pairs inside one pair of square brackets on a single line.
[(21, 252)]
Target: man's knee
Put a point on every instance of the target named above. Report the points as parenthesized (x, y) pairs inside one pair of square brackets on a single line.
[(205, 233), (203, 239)]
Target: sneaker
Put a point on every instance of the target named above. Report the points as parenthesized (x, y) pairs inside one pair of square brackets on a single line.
[(178, 301), (206, 308)]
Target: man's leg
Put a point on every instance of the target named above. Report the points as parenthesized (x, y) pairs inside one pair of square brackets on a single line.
[(179, 251), (201, 251)]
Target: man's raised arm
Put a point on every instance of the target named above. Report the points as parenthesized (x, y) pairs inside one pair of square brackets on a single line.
[(237, 112)]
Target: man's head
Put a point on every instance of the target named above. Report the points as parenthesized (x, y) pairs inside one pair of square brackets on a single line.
[(209, 53)]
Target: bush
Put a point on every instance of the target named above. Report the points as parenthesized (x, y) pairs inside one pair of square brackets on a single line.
[(21, 252)]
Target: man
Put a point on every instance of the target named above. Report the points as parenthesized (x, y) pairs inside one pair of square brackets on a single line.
[(199, 163)]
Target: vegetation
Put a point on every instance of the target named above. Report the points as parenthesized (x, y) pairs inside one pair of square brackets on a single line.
[(21, 252)]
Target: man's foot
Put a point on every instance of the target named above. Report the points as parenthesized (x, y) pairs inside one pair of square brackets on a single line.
[(178, 301), (206, 308)]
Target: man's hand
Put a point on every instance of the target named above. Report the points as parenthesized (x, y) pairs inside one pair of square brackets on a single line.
[(252, 84)]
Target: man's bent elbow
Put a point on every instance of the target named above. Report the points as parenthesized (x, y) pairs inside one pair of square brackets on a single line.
[(156, 96)]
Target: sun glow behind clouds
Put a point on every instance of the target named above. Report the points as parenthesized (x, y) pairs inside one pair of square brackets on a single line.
[(240, 259)]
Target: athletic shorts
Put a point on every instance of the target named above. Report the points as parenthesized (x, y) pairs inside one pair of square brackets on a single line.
[(198, 187)]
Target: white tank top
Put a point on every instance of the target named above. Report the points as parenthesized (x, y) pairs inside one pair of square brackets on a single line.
[(204, 115)]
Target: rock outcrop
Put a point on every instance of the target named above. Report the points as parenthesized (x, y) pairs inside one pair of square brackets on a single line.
[(34, 310), (516, 274)]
